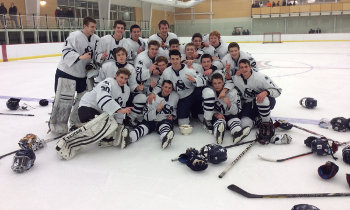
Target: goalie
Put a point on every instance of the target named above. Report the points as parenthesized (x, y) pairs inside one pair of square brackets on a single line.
[(109, 98)]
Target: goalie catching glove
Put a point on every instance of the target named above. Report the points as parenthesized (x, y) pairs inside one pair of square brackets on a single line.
[(193, 160), (214, 153)]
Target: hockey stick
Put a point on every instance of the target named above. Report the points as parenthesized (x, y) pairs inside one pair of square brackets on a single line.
[(240, 191), (31, 115), (46, 141), (236, 160), (284, 159), (230, 146)]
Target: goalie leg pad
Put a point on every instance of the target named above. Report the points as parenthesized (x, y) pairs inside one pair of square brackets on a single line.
[(74, 117), (62, 106), (95, 130)]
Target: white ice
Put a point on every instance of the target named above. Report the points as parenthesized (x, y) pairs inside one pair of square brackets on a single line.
[(143, 177)]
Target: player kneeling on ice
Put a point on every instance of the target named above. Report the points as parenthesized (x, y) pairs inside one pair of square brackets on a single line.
[(258, 93), (225, 111), (106, 100), (158, 116)]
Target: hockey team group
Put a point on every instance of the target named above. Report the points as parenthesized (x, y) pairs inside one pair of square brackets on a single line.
[(114, 90)]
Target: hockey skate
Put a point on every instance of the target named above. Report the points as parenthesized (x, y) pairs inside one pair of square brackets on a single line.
[(113, 139), (125, 138), (208, 126), (166, 141), (64, 152), (241, 134), (220, 131)]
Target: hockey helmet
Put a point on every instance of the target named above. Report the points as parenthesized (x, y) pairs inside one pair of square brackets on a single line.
[(308, 102), (214, 153), (23, 160), (339, 124), (13, 103), (31, 141)]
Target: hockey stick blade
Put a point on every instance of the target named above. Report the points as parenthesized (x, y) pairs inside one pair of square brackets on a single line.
[(284, 159), (236, 160), (246, 194)]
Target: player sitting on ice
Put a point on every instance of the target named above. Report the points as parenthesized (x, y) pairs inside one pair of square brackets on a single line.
[(258, 93), (107, 100), (185, 81), (231, 60), (158, 116), (145, 67), (226, 111)]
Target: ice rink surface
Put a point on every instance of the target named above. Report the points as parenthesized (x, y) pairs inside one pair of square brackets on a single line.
[(143, 177)]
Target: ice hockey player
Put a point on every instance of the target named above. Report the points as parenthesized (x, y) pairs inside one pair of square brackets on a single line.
[(109, 69), (220, 48), (136, 43), (109, 42), (163, 37), (70, 77), (103, 110), (224, 112), (231, 60), (191, 55), (145, 66), (158, 116), (185, 82), (258, 93), (197, 40)]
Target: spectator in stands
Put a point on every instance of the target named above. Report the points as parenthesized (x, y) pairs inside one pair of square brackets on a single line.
[(318, 30), (278, 3), (311, 31), (268, 4), (13, 13), (261, 4), (3, 12), (70, 16), (273, 4), (284, 3), (248, 32)]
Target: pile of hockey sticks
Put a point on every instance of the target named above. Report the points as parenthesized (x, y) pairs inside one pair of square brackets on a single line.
[(287, 126)]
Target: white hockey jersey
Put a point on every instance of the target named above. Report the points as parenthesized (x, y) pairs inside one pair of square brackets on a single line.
[(107, 96), (108, 44), (162, 51), (142, 64), (170, 106), (221, 51), (110, 69), (77, 44), (182, 85), (134, 46), (255, 84), (236, 104), (235, 64)]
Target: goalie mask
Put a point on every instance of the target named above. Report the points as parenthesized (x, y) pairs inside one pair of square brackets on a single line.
[(23, 160), (13, 103), (31, 141)]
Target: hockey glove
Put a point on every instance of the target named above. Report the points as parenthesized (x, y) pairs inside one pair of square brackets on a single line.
[(281, 139), (185, 157), (308, 141), (283, 125), (197, 163), (214, 153), (307, 102), (328, 170), (348, 179), (346, 154), (304, 207), (43, 102), (339, 124), (324, 123)]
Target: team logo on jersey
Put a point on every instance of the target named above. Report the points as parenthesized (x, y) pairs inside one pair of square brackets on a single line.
[(219, 107), (167, 109), (249, 93), (119, 100), (89, 49), (180, 85)]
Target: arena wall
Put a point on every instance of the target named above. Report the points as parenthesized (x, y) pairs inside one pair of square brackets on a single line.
[(30, 51)]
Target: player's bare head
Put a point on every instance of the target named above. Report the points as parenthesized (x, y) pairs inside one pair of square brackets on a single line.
[(88, 20), (161, 59), (215, 33), (190, 45), (232, 45), (123, 71), (244, 61), (174, 44), (153, 43), (174, 53), (197, 39), (119, 49), (163, 23), (119, 22), (206, 56), (167, 82), (162, 63), (120, 54), (135, 26), (217, 80), (197, 35)]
